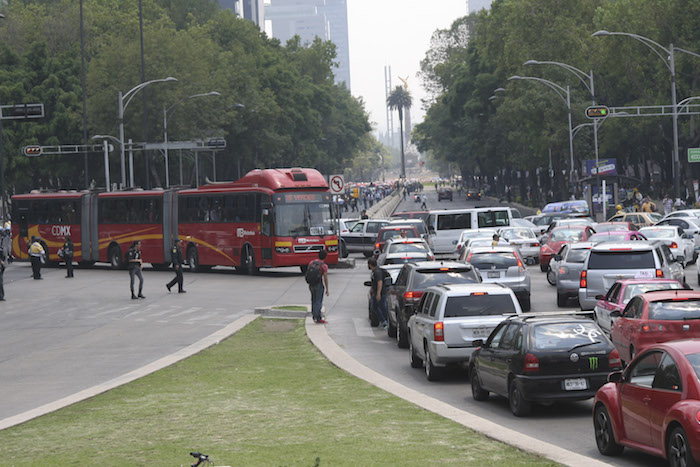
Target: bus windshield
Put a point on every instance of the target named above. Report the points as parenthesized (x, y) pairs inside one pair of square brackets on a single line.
[(300, 219)]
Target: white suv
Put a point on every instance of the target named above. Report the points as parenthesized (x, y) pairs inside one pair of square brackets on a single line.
[(450, 317)]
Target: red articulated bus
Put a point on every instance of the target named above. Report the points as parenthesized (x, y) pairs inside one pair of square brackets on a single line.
[(268, 218)]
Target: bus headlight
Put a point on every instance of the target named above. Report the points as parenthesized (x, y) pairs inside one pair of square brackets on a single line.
[(332, 248), (282, 249)]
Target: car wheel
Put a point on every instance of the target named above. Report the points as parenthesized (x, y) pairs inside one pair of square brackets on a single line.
[(525, 303), (678, 449), (478, 393), (543, 267), (551, 277), (431, 371), (373, 318), (561, 300), (391, 329), (604, 436), (698, 279), (519, 406), (401, 336), (633, 353), (416, 361), (343, 249), (368, 254)]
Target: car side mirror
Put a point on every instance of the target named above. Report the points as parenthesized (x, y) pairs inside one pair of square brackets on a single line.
[(368, 283), (557, 257), (615, 377), (600, 297), (615, 314), (478, 343), (431, 229)]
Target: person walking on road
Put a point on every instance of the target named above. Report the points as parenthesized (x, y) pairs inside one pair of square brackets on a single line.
[(423, 199), (36, 254), (668, 205), (648, 206), (66, 253), (317, 278), (178, 259), (378, 291), (133, 258), (2, 272)]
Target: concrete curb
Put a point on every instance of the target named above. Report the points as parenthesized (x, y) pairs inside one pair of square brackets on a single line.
[(320, 338), (385, 207), (198, 346)]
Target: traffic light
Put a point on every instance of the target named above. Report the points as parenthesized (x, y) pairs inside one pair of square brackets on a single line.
[(597, 111), (32, 151)]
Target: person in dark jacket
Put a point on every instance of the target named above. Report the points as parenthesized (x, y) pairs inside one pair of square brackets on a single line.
[(178, 259), (67, 255), (133, 257)]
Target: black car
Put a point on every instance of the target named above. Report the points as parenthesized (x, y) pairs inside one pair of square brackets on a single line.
[(410, 284), (544, 358), (474, 194), (444, 193)]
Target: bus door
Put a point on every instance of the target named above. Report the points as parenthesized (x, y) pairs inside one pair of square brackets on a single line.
[(23, 214), (266, 233)]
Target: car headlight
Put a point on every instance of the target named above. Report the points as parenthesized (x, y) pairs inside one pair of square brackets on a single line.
[(282, 249)]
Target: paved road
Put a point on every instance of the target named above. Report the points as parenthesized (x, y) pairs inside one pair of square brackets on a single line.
[(567, 425), (59, 336)]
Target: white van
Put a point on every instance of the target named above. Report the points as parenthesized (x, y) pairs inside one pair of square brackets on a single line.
[(446, 226)]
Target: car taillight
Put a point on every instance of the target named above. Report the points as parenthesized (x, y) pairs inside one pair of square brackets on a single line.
[(584, 283), (673, 245), (376, 246), (614, 360), (520, 264), (532, 363), (652, 327), (659, 273), (534, 244), (697, 417), (439, 331), (412, 296), (469, 257)]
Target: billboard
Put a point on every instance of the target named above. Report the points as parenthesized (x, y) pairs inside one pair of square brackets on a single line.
[(607, 167)]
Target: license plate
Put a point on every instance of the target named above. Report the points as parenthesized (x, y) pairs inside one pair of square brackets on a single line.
[(482, 332), (493, 274), (577, 384)]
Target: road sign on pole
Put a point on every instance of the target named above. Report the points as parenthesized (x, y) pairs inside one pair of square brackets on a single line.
[(21, 111), (693, 154), (337, 184)]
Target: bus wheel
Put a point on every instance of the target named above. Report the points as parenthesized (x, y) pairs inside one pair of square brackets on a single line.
[(193, 259), (115, 257), (248, 261)]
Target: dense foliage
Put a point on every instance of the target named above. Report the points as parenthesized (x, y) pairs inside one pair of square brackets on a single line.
[(292, 114), (510, 136)]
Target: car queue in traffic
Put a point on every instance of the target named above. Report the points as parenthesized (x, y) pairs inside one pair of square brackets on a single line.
[(458, 296)]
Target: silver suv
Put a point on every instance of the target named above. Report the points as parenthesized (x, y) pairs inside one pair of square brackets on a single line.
[(450, 317), (610, 262), (503, 265)]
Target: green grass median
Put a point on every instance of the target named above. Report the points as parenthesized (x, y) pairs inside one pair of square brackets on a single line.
[(265, 396)]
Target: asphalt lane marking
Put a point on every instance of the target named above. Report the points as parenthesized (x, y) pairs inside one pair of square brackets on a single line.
[(362, 327)]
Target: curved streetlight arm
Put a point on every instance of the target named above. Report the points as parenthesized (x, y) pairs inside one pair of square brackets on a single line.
[(116, 140), (654, 46), (561, 92), (685, 102), (204, 94), (686, 51), (580, 74), (578, 128), (133, 91)]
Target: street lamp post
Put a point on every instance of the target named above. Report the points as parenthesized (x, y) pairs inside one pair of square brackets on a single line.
[(105, 146), (122, 107), (566, 96), (582, 76), (667, 56), (165, 131)]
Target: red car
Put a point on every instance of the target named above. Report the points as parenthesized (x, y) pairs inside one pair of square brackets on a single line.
[(620, 294), (616, 226), (387, 232), (655, 317), (654, 405), (558, 237)]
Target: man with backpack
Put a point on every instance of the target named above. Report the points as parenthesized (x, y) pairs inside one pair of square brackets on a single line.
[(317, 278), (378, 291)]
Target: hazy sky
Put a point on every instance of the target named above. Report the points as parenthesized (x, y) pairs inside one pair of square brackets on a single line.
[(396, 33)]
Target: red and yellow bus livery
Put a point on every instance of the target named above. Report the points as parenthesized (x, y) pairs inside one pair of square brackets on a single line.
[(268, 218)]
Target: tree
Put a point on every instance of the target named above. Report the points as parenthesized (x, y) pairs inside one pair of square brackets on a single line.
[(400, 99)]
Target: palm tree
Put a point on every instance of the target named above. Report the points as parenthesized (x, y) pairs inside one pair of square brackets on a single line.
[(400, 99)]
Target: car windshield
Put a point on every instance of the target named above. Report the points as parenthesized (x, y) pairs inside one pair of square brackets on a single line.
[(479, 305), (604, 237), (675, 310), (406, 259), (418, 226), (658, 233), (566, 235), (487, 260), (468, 234), (517, 234), (394, 233), (427, 278), (654, 216), (621, 260), (299, 219), (577, 256), (566, 336), (632, 290), (610, 227), (407, 248)]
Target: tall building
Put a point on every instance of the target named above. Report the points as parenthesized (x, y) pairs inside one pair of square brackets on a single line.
[(252, 10), (327, 19)]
